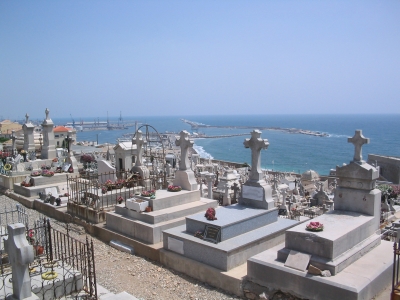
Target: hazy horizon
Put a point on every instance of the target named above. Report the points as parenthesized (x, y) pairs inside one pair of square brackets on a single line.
[(186, 58)]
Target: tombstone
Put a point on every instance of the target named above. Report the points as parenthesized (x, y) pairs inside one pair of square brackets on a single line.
[(195, 159), (139, 166), (227, 180), (106, 170), (235, 188), (20, 168), (184, 177), (29, 140), (226, 199), (255, 191), (210, 178), (49, 144), (20, 255)]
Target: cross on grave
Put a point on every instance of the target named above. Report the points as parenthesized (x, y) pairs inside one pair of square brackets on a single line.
[(210, 178), (139, 148), (185, 143), (235, 188), (20, 254), (358, 140), (256, 143), (26, 118)]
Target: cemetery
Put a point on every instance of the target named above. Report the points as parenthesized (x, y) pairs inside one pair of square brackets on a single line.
[(234, 226)]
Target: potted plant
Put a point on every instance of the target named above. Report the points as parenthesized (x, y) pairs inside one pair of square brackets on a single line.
[(120, 199), (104, 189), (47, 173), (174, 188), (109, 184), (119, 183), (315, 226), (148, 193)]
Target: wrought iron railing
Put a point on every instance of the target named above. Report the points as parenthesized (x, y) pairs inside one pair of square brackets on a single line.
[(99, 191), (71, 260)]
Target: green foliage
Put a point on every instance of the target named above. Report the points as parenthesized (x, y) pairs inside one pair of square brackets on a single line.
[(3, 139)]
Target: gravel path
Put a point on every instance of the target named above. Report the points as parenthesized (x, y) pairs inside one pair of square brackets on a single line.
[(118, 271)]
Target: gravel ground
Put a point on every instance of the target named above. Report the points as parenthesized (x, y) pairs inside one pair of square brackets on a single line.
[(118, 271)]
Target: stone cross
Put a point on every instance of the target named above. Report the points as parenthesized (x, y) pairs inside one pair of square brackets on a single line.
[(185, 143), (256, 143), (226, 200), (139, 148), (20, 254), (210, 178), (47, 113), (26, 118), (235, 188), (358, 140)]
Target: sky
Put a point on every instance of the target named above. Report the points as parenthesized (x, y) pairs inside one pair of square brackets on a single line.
[(87, 58)]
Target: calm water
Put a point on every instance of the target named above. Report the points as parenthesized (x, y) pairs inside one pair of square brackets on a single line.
[(286, 152)]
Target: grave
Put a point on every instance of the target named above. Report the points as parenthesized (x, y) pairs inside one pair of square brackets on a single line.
[(168, 209), (240, 230), (349, 246), (26, 286), (29, 142), (184, 177), (49, 144)]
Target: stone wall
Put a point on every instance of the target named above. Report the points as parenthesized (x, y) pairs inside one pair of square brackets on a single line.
[(389, 166)]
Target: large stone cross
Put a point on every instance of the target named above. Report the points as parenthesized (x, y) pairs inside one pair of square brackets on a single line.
[(185, 143), (20, 254), (139, 148), (358, 140), (256, 143)]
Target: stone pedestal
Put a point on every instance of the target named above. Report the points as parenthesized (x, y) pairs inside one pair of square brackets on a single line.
[(186, 180), (49, 145), (257, 194)]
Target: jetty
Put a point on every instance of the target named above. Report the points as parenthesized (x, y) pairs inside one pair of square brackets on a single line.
[(195, 126)]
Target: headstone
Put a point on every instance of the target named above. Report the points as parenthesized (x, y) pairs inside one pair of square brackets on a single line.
[(20, 168), (210, 178), (29, 140), (106, 170), (226, 200), (139, 167), (256, 192), (20, 255), (297, 260), (49, 144), (184, 177)]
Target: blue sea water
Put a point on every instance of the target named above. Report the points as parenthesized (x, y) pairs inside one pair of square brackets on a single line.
[(286, 152)]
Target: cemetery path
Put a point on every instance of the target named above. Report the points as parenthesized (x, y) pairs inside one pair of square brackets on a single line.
[(119, 271)]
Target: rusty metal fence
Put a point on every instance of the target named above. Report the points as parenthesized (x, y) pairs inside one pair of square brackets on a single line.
[(105, 190), (69, 261)]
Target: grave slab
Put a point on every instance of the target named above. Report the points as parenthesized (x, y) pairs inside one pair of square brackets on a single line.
[(363, 279)]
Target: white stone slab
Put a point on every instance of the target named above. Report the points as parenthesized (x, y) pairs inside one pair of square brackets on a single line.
[(52, 190), (122, 247), (175, 245), (298, 260), (136, 206), (254, 193)]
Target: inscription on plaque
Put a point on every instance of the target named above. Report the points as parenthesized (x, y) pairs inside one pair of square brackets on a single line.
[(212, 234), (253, 193)]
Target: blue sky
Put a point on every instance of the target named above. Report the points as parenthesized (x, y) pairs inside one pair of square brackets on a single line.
[(198, 57)]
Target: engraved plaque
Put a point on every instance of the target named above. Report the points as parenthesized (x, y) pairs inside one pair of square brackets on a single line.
[(175, 245), (253, 193)]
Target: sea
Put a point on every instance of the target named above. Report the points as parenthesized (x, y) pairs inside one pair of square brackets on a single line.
[(286, 152)]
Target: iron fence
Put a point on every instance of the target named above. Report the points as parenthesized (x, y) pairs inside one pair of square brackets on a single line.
[(62, 265), (11, 215), (395, 277), (99, 191)]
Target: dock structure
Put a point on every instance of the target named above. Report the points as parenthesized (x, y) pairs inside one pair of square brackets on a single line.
[(195, 127)]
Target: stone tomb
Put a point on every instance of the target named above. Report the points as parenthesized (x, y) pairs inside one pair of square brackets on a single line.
[(349, 245), (242, 230), (169, 209)]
